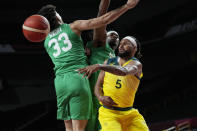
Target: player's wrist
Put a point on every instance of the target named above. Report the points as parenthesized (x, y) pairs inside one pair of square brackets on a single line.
[(99, 66)]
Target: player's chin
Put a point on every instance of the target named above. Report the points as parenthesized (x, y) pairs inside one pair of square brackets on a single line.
[(121, 51)]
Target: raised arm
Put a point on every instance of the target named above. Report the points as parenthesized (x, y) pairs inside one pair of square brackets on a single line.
[(80, 25), (99, 36)]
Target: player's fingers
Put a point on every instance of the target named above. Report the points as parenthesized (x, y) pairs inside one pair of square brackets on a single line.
[(107, 104), (105, 101), (89, 74), (83, 71), (113, 103), (94, 70), (80, 69), (86, 73)]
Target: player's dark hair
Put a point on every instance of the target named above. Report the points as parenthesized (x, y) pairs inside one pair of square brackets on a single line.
[(49, 12), (138, 54)]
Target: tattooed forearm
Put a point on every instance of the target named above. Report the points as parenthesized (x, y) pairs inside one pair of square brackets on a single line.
[(116, 70)]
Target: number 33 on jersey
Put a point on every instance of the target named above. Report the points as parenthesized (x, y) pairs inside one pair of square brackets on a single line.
[(65, 49), (57, 49)]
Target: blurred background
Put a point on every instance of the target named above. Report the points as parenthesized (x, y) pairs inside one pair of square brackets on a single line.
[(167, 30)]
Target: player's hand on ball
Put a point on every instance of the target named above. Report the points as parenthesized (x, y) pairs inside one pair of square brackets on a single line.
[(132, 3)]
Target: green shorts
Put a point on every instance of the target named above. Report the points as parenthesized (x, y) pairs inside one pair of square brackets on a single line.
[(74, 100), (93, 123)]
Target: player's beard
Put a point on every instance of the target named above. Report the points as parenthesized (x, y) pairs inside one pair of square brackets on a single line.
[(112, 43), (125, 54)]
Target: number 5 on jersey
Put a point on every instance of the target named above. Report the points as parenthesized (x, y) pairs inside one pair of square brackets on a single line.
[(58, 50), (118, 84)]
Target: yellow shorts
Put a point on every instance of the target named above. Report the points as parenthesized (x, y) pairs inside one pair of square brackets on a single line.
[(113, 120)]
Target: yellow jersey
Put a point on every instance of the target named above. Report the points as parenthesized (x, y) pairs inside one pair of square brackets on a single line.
[(121, 89)]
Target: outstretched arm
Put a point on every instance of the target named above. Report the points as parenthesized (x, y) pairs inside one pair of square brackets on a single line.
[(133, 68), (103, 20), (99, 36)]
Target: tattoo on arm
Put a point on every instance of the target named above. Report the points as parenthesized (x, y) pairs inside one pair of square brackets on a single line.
[(117, 70)]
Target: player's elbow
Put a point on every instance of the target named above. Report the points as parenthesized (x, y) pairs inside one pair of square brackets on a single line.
[(132, 71), (101, 23), (125, 71), (105, 21)]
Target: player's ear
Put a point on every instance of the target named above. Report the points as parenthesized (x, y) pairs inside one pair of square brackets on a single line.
[(135, 49), (58, 18)]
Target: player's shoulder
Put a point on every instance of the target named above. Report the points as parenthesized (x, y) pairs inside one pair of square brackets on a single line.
[(65, 25), (135, 60), (112, 61)]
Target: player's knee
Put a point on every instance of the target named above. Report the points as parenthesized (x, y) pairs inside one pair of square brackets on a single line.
[(79, 124), (68, 124)]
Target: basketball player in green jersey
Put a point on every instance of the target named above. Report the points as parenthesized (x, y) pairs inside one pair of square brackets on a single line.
[(98, 50), (65, 48)]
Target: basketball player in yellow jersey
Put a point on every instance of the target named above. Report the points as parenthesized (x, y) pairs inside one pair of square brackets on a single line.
[(116, 86)]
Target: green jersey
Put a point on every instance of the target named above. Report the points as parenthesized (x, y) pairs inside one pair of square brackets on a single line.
[(98, 56), (65, 49)]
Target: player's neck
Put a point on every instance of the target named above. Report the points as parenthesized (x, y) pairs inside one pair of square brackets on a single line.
[(123, 60)]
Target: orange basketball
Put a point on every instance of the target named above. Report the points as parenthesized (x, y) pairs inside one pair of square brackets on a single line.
[(36, 28)]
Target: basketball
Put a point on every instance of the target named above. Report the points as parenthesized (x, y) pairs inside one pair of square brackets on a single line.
[(36, 28)]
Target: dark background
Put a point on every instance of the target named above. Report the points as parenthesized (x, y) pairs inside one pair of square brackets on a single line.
[(167, 30)]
